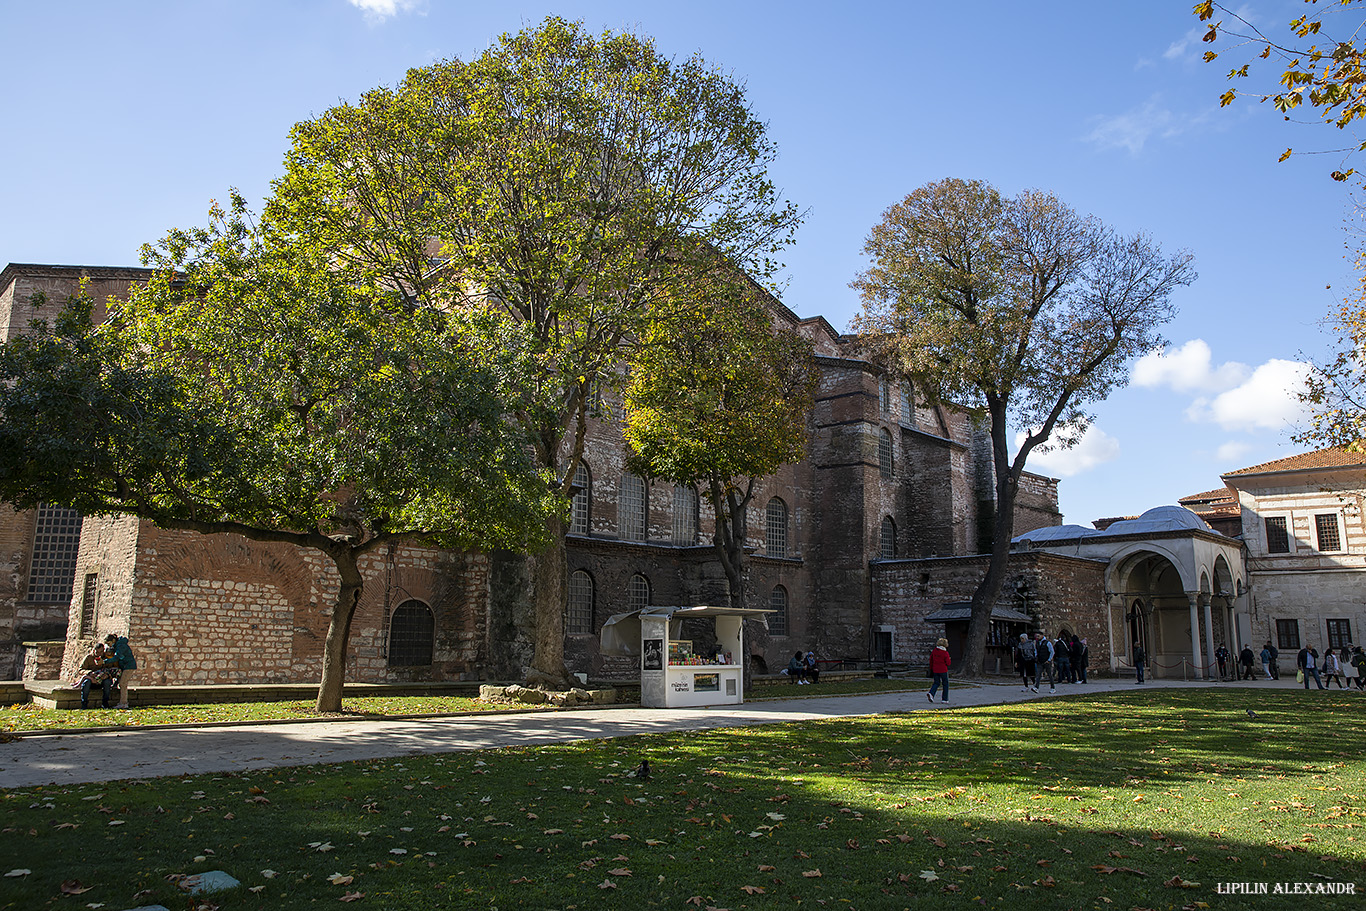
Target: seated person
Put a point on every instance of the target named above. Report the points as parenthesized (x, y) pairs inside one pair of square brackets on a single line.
[(98, 669), (813, 670), (796, 669)]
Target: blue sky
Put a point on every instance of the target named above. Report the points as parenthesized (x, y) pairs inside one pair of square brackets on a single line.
[(124, 120)]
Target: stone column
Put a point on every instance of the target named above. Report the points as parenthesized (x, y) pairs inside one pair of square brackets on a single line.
[(1194, 600), (1209, 636)]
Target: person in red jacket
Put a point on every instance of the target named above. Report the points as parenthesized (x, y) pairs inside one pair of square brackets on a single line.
[(939, 667)]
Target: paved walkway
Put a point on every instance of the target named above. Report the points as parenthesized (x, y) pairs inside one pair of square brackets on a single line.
[(152, 752)]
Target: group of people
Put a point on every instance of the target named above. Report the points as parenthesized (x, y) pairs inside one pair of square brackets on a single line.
[(1061, 660), (109, 666), (1343, 665), (803, 668)]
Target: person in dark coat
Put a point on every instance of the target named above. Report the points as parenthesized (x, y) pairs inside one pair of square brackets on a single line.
[(1245, 661), (1140, 657), (1081, 657)]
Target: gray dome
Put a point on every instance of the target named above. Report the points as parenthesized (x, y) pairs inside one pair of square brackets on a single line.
[(1160, 518)]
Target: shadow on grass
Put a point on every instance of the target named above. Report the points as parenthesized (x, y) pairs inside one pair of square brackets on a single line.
[(929, 810)]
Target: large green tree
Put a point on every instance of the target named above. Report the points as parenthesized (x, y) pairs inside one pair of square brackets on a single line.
[(718, 398), (1016, 307), (250, 388), (578, 182)]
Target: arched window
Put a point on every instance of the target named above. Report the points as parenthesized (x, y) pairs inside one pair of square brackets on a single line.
[(887, 539), (884, 453), (579, 619), (884, 395), (907, 404), (640, 592), (775, 528), (412, 635), (632, 509), (685, 515), (777, 602), (581, 501)]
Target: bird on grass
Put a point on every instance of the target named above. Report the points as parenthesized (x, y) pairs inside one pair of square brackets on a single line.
[(1251, 714), (640, 772)]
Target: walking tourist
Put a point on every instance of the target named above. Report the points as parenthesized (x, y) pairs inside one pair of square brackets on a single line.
[(939, 667)]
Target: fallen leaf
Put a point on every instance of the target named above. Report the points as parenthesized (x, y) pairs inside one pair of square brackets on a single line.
[(552, 832), (19, 873), (620, 837), (929, 875), (269, 874), (398, 850), (256, 888), (607, 884), (752, 890), (1177, 882), (695, 900), (74, 887), (620, 871), (338, 879), (352, 897), (812, 874), (766, 868)]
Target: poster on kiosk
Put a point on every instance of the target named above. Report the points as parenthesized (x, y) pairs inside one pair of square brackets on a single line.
[(677, 669)]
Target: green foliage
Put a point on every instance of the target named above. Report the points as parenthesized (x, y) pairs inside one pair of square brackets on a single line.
[(1116, 801), (720, 392), (248, 387)]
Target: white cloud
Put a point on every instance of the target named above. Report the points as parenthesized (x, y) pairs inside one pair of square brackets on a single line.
[(1189, 368), (1096, 447), (1233, 450), (1189, 41), (377, 11), (1267, 400), (1133, 128)]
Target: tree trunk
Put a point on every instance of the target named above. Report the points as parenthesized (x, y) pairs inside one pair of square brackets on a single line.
[(989, 589), (548, 576), (339, 629)]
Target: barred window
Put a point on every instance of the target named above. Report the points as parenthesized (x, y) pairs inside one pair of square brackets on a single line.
[(581, 500), (1287, 634), (1339, 633), (887, 539), (1326, 527), (777, 602), (52, 572), (580, 619), (775, 528), (685, 515), (907, 404), (884, 454), (412, 635), (884, 395), (640, 592), (1277, 538), (89, 602), (631, 509)]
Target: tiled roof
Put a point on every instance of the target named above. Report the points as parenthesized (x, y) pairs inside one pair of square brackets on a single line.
[(1333, 457), (1223, 493)]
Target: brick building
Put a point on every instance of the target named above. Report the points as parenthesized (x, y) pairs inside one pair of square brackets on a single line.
[(892, 491)]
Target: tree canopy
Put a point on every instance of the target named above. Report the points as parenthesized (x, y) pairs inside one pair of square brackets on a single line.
[(251, 388), (719, 398), (1018, 308), (579, 182)]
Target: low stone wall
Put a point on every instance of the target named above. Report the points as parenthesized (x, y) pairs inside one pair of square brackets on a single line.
[(55, 694), (43, 660)]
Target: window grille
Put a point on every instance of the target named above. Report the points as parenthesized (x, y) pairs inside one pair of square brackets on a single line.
[(884, 454), (1339, 633), (685, 516), (52, 571), (777, 602), (1326, 527), (412, 635), (1287, 634), (775, 528), (580, 619), (887, 542), (884, 395), (1277, 538), (581, 500), (632, 509), (907, 404), (640, 592)]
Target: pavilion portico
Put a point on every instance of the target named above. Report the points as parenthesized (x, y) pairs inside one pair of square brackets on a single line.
[(1172, 585)]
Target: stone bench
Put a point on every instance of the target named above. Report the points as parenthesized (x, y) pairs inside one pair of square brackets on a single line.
[(57, 694)]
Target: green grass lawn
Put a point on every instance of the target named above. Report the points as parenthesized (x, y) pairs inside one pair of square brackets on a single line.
[(1110, 801), (29, 717)]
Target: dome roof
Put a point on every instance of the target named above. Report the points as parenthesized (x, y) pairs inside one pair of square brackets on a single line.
[(1159, 518)]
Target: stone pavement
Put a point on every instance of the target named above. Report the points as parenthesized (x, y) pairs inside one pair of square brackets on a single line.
[(42, 759)]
